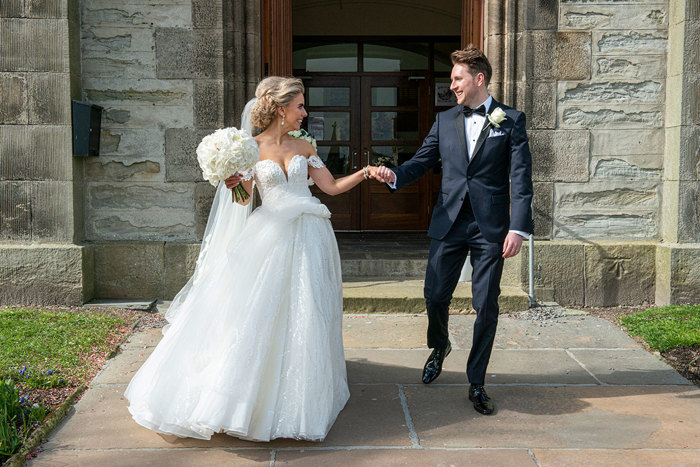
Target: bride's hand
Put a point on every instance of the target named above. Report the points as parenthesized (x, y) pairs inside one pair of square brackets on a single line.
[(233, 181)]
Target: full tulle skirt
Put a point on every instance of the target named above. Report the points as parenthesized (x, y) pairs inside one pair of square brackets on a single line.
[(256, 349)]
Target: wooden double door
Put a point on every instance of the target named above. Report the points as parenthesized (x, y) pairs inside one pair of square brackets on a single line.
[(377, 120)]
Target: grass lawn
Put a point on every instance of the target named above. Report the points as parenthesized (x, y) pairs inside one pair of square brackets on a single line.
[(666, 327), (46, 353)]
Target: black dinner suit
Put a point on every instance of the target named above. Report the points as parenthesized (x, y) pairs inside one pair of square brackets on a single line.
[(480, 201)]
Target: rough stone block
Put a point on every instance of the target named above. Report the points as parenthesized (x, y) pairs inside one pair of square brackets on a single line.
[(623, 117), (626, 167), (36, 153), (15, 211), (180, 261), (611, 92), (109, 40), (629, 17), (132, 142), (123, 64), (13, 101), (629, 67), (560, 155), (123, 115), (207, 14), (12, 9), (31, 45), (685, 274), (105, 13), (560, 55), (203, 197), (180, 154), (542, 209), (627, 142), (129, 270), (629, 42), (99, 169), (689, 212), (43, 274), (607, 209), (140, 211), (186, 53), (140, 224), (541, 104), (573, 55), (542, 14), (208, 101), (139, 196), (47, 8), (49, 98), (121, 91), (620, 274), (689, 152), (559, 269)]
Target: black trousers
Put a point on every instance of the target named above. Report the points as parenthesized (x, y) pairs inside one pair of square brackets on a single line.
[(445, 263)]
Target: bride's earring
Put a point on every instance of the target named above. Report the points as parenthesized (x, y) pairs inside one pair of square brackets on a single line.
[(282, 120)]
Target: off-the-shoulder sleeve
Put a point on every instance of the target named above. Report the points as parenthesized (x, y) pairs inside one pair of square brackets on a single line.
[(315, 162)]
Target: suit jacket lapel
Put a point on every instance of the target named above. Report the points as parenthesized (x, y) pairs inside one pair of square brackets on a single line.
[(461, 134), (485, 130)]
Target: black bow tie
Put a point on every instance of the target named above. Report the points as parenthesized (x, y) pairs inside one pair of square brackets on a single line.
[(481, 110)]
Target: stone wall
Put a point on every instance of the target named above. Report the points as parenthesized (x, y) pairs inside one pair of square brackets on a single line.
[(40, 180)]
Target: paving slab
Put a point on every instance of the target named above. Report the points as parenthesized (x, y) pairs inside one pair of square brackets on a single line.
[(407, 457), (628, 366), (574, 331), (586, 417), (382, 331), (554, 366), (373, 416), (123, 367), (617, 457), (154, 458), (143, 339), (138, 305)]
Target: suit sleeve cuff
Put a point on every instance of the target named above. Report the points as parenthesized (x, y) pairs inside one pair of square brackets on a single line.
[(526, 236), (392, 185)]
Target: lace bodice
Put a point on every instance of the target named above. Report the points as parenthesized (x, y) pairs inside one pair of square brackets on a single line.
[(272, 181)]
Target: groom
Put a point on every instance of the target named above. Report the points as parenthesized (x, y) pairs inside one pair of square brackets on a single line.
[(483, 209)]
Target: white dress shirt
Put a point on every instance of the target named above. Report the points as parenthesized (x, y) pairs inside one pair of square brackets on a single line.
[(472, 128)]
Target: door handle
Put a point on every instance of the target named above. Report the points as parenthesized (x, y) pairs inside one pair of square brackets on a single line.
[(353, 160), (366, 153)]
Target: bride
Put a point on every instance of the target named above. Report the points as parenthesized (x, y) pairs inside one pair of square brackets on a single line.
[(253, 346)]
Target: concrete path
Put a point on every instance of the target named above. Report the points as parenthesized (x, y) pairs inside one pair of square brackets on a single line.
[(569, 390)]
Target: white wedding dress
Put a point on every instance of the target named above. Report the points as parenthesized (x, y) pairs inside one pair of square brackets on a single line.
[(256, 349)]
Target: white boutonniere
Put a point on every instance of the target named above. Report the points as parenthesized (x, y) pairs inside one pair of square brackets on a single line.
[(496, 117), (303, 134)]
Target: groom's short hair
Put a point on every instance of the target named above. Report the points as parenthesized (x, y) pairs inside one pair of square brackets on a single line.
[(474, 59)]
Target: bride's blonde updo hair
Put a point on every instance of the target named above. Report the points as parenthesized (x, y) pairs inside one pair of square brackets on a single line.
[(273, 92)]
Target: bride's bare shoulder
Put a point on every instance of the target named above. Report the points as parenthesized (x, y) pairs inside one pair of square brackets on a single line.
[(304, 148)]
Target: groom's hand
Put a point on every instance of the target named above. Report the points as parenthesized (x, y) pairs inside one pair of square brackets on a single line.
[(385, 175), (512, 245)]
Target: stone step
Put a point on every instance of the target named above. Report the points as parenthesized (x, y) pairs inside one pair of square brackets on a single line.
[(391, 295)]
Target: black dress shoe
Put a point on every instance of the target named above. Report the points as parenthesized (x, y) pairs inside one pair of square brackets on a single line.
[(433, 367), (482, 402)]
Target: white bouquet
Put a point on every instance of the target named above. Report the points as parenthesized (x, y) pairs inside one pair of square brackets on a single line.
[(225, 153), (303, 134)]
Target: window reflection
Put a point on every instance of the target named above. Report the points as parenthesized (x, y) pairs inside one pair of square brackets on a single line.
[(314, 57), (388, 126), (336, 158), (395, 56), (328, 97), (392, 97), (392, 156), (329, 126)]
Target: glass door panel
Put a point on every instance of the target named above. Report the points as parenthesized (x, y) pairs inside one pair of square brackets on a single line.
[(391, 129)]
